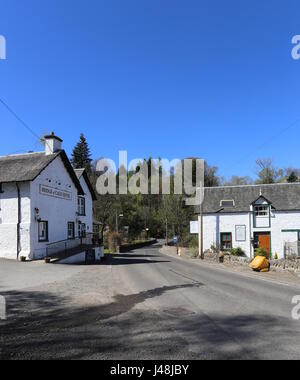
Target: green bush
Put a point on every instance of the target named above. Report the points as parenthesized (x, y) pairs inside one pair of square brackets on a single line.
[(237, 251), (262, 252)]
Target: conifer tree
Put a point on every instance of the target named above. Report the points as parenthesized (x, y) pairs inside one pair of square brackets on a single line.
[(292, 177), (81, 155)]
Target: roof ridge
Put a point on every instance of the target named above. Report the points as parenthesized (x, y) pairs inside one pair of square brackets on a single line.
[(21, 154), (254, 185)]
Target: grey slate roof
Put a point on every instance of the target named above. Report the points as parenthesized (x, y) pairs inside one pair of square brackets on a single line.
[(283, 197), (27, 167)]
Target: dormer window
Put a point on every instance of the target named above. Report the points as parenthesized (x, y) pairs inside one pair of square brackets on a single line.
[(227, 203), (261, 210)]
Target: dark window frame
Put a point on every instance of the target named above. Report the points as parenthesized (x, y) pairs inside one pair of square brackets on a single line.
[(81, 230), (73, 230), (80, 206), (262, 211), (222, 242), (42, 240)]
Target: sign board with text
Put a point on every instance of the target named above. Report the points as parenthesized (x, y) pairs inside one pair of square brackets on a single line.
[(240, 233), (56, 193)]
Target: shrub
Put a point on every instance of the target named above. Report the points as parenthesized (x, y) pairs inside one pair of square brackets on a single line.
[(237, 251), (276, 256), (262, 252), (114, 241)]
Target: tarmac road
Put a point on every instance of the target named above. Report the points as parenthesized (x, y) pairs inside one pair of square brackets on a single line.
[(145, 305)]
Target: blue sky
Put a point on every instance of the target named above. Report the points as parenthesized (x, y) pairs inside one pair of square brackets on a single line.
[(168, 78)]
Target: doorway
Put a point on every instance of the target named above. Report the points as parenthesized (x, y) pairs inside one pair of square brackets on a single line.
[(262, 240)]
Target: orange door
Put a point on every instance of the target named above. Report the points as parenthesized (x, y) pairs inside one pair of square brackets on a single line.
[(264, 241)]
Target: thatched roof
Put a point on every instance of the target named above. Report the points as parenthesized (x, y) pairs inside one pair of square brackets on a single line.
[(27, 167)]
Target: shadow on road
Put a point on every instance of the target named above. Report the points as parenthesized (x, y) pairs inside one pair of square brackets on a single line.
[(130, 259), (45, 326)]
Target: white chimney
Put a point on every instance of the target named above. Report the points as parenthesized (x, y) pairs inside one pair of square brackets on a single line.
[(52, 144)]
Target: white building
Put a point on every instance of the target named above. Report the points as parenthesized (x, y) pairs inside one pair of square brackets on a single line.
[(45, 205), (255, 216)]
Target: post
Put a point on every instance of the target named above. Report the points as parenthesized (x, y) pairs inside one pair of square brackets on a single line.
[(167, 240), (200, 234), (117, 222)]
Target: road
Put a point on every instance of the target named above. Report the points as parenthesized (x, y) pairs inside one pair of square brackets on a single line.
[(146, 305)]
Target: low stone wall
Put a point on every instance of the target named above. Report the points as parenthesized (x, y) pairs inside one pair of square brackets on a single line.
[(130, 247), (282, 265), (228, 259), (290, 265)]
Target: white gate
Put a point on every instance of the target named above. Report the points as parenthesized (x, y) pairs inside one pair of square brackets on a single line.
[(292, 249)]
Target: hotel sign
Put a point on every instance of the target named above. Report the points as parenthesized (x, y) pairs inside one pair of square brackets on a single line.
[(56, 193)]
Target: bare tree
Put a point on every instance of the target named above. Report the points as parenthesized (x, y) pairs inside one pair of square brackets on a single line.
[(267, 173)]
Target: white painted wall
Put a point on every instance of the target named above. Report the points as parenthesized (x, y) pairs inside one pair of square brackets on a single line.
[(88, 218), (9, 220), (58, 212), (215, 224)]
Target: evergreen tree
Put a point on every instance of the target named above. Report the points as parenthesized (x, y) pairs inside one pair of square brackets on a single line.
[(292, 178), (81, 155)]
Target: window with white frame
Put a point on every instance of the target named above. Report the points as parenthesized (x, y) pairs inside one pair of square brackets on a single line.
[(262, 210), (227, 203), (81, 206)]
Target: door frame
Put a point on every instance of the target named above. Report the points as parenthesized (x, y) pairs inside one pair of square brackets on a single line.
[(256, 240)]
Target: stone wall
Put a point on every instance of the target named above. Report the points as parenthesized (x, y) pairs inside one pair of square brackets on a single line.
[(290, 265), (282, 265)]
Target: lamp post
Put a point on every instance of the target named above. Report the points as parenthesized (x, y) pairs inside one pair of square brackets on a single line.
[(117, 220)]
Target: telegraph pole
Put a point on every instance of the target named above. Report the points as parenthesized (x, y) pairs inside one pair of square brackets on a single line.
[(201, 253), (167, 232), (200, 233)]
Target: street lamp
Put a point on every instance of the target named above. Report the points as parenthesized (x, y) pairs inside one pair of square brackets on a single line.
[(117, 220)]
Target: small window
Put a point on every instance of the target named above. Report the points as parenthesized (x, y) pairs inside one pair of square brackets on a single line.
[(81, 230), (262, 211), (81, 206), (226, 241), (227, 203), (43, 231), (71, 230)]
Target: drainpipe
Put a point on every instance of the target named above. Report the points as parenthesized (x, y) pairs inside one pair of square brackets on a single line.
[(19, 222)]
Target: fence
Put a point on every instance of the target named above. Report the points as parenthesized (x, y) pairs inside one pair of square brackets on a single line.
[(69, 244), (292, 250)]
